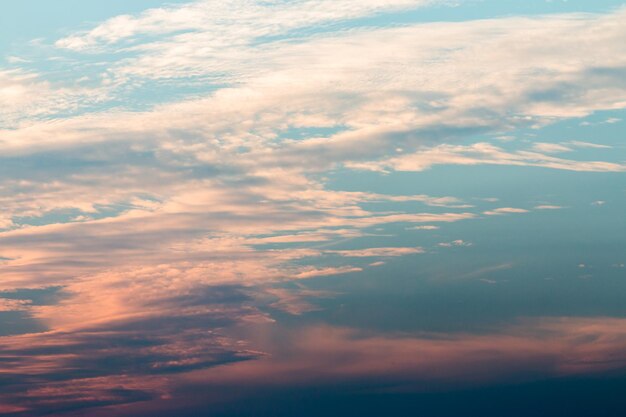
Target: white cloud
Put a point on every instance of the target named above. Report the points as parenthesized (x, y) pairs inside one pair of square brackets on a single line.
[(458, 242), (426, 227), (504, 210), (484, 154), (232, 23), (6, 222), (550, 147), (375, 252), (580, 144), (548, 207)]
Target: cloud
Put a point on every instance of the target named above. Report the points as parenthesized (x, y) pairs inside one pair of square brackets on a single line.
[(458, 242), (236, 23), (312, 272), (406, 361), (14, 305), (296, 301), (580, 144), (426, 227), (610, 120), (186, 187), (304, 356), (548, 207), (6, 222), (484, 271), (182, 205), (26, 97), (550, 147), (484, 154), (504, 210), (375, 252), (140, 358)]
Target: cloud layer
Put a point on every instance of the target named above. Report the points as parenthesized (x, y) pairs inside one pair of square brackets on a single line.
[(169, 177)]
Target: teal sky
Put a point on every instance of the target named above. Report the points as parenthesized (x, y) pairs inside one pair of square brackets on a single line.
[(312, 208)]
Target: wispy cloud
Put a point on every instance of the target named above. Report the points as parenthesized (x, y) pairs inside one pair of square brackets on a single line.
[(548, 207), (235, 23), (484, 154), (588, 145), (550, 147), (376, 252), (504, 210), (458, 242), (426, 227)]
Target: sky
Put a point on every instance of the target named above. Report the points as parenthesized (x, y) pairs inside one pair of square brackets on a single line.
[(312, 208)]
